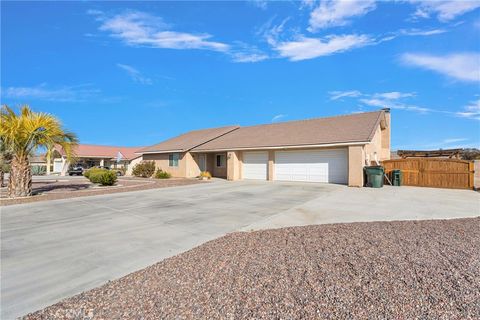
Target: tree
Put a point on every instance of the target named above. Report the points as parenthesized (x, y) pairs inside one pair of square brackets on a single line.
[(24, 133), (470, 154), (5, 158)]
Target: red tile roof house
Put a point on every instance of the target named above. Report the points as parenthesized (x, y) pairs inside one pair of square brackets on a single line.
[(329, 150), (89, 155)]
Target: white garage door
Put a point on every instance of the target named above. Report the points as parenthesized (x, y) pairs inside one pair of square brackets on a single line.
[(57, 166), (329, 166), (255, 165)]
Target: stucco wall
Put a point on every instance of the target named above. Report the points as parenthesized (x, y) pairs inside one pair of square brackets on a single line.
[(192, 167), (356, 160), (132, 164), (233, 165), (380, 143), (161, 162)]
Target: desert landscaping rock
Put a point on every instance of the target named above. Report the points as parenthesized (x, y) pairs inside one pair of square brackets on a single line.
[(377, 270), (54, 190)]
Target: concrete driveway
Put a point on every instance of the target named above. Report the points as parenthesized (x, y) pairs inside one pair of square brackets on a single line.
[(55, 249)]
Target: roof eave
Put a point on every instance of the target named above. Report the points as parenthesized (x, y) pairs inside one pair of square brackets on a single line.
[(160, 151)]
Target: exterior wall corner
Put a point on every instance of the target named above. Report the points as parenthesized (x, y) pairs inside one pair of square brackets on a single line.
[(356, 162)]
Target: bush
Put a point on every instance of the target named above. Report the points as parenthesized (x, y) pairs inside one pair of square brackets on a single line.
[(102, 176), (144, 169), (205, 175), (160, 174), (88, 172), (5, 168), (107, 178), (39, 170)]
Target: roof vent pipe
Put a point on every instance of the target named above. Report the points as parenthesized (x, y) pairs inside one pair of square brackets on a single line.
[(387, 110)]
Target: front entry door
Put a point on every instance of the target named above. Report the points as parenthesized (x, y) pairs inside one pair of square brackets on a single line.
[(202, 162)]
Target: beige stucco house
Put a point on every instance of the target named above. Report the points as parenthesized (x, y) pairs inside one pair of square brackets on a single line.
[(329, 150)]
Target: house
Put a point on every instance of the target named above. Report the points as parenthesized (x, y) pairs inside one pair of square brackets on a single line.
[(88, 155), (331, 150), (37, 160)]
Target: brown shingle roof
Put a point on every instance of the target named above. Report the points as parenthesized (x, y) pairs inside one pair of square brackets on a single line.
[(340, 129), (188, 140)]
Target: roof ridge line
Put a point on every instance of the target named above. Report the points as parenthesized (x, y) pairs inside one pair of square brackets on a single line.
[(312, 119), (223, 134)]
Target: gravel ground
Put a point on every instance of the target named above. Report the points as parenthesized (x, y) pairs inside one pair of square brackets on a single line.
[(62, 189), (379, 270)]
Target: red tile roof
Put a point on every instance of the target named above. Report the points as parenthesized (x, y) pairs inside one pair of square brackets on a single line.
[(96, 151)]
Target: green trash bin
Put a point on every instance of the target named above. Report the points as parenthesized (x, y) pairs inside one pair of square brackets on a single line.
[(397, 177), (374, 176)]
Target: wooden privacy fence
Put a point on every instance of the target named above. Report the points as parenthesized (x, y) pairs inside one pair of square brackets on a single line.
[(437, 173)]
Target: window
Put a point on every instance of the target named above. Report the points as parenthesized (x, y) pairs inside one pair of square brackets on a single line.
[(220, 160), (173, 160)]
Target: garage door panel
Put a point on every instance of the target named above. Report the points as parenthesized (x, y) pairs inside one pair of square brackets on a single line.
[(255, 165), (329, 166)]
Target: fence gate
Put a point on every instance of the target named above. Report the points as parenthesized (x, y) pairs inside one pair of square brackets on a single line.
[(437, 173)]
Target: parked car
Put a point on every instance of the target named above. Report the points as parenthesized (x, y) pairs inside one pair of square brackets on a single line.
[(76, 171)]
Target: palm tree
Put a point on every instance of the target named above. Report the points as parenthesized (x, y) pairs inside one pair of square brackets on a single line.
[(22, 134), (5, 158)]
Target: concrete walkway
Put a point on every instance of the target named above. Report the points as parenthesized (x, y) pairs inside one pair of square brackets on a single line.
[(54, 249)]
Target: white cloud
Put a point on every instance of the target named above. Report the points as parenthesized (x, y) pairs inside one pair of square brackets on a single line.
[(134, 74), (248, 57), (262, 4), (388, 103), (142, 29), (335, 95), (307, 4), (393, 100), (454, 140), (272, 33), (419, 32), (445, 10), (460, 66), (471, 111), (278, 117), (243, 52), (332, 13), (308, 48), (394, 95), (42, 92)]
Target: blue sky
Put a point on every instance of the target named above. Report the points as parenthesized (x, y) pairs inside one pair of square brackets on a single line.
[(136, 73)]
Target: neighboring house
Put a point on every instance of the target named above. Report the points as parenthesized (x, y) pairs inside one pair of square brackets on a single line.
[(88, 156), (331, 150), (38, 160)]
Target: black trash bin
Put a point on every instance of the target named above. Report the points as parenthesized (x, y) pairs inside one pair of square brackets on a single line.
[(374, 176)]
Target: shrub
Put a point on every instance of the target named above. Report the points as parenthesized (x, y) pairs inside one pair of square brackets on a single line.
[(144, 169), (160, 174), (205, 175), (107, 178), (39, 170), (88, 172), (5, 167), (102, 176)]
